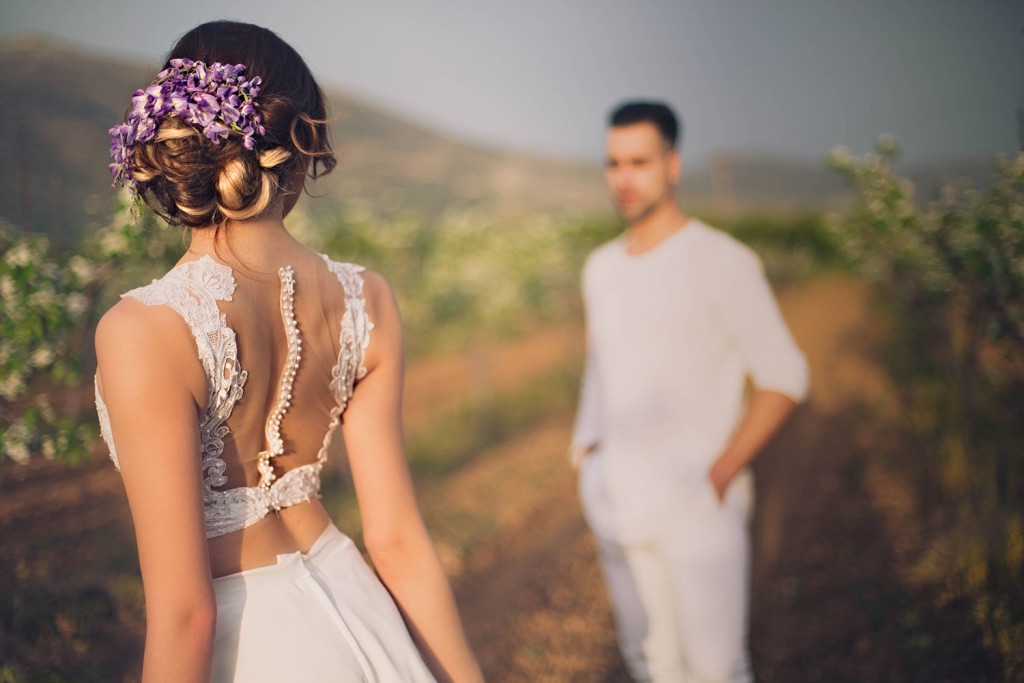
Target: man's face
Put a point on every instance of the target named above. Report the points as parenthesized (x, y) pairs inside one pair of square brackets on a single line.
[(641, 171)]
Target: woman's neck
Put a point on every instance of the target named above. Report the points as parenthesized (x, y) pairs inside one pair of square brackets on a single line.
[(256, 243)]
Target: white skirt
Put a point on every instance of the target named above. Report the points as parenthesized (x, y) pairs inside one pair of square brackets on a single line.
[(319, 616)]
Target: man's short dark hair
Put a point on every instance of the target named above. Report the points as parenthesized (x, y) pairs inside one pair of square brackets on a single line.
[(658, 113)]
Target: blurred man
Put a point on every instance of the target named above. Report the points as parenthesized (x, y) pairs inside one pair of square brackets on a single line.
[(679, 316)]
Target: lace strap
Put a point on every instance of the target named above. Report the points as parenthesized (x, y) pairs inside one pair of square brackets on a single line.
[(192, 290), (355, 336), (355, 330), (284, 397)]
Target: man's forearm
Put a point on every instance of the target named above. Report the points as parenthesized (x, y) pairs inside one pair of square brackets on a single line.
[(768, 411)]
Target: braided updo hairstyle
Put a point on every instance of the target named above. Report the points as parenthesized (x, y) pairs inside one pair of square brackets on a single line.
[(188, 180)]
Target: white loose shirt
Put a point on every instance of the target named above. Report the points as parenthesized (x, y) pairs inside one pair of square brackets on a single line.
[(672, 335)]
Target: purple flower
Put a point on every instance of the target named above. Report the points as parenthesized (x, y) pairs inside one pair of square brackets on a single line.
[(125, 132), (250, 88), (117, 144), (215, 97), (179, 102), (156, 104), (139, 103), (190, 115), (207, 108), (216, 132), (229, 105), (146, 130), (228, 113)]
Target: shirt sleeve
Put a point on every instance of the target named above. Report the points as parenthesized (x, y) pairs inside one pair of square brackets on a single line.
[(587, 429), (752, 315)]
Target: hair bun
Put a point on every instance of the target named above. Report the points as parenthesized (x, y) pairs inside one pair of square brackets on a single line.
[(274, 157), (244, 189), (235, 167), (191, 181)]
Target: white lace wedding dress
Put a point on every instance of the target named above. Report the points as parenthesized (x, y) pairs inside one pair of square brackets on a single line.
[(322, 615)]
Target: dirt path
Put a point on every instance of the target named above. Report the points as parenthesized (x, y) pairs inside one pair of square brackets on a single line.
[(529, 590), (440, 384), (829, 600)]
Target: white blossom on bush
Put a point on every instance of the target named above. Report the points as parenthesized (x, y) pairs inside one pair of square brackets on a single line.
[(48, 299), (951, 276)]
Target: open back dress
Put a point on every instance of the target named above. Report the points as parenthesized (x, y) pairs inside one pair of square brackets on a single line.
[(282, 353)]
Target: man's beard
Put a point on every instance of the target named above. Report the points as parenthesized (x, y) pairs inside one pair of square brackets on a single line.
[(645, 212)]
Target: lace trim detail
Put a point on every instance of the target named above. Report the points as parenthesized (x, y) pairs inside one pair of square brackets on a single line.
[(193, 290), (242, 507), (104, 418), (354, 338)]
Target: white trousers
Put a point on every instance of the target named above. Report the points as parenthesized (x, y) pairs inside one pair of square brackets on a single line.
[(681, 602)]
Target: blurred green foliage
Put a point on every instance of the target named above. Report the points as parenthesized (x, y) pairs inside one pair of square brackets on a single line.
[(792, 247), (49, 301), (950, 281), (471, 271)]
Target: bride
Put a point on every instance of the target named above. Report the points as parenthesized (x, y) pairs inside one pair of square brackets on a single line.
[(220, 385)]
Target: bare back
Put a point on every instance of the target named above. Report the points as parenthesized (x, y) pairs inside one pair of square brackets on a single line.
[(281, 351)]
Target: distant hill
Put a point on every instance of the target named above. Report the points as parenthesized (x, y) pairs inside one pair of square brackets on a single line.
[(58, 103), (384, 157), (737, 183), (54, 116)]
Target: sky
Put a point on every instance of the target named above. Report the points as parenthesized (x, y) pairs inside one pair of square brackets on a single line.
[(790, 78)]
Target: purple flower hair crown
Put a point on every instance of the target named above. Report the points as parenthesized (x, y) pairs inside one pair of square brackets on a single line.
[(216, 97)]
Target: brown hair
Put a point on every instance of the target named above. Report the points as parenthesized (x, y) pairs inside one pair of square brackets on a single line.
[(188, 180), (658, 113)]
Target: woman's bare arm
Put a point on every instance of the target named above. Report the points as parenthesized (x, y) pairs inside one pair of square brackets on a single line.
[(395, 536), (149, 382)]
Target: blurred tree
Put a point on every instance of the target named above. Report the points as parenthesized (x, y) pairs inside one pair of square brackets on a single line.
[(951, 276)]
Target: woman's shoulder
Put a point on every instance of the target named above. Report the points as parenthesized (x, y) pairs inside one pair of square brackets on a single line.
[(131, 328), (375, 286), (376, 308), (359, 281), (150, 317)]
